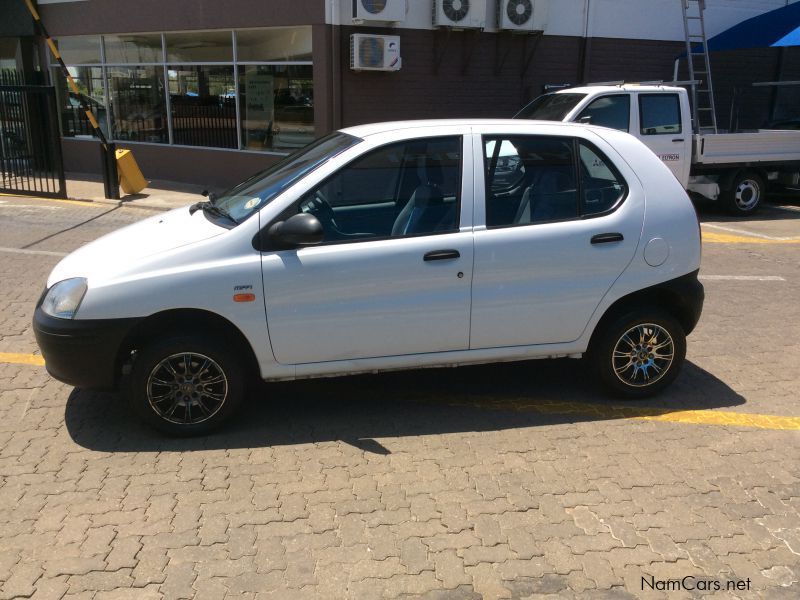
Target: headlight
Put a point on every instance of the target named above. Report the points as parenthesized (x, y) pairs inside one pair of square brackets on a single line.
[(63, 299)]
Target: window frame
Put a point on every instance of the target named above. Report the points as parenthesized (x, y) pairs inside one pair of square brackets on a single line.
[(292, 208), (659, 95), (575, 143)]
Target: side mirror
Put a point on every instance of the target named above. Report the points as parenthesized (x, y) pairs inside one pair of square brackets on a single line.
[(303, 229), (587, 120)]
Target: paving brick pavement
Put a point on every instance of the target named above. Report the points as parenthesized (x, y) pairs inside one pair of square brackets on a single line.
[(430, 484)]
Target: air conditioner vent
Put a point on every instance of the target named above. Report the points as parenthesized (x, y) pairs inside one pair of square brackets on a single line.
[(459, 14), (525, 16), (386, 11), (375, 52)]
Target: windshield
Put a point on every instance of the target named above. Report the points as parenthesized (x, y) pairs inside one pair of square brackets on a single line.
[(550, 107), (253, 194)]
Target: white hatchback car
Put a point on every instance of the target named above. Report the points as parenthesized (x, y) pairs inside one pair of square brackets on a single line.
[(389, 246)]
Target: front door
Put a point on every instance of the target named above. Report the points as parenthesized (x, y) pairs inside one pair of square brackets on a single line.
[(661, 129), (392, 276), (558, 234)]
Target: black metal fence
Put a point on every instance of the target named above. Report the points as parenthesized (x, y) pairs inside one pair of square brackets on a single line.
[(30, 142), (204, 124)]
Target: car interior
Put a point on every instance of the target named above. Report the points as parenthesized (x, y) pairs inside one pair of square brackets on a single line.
[(535, 181), (404, 189)]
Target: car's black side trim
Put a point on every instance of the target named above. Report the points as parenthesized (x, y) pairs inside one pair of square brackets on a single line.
[(82, 353)]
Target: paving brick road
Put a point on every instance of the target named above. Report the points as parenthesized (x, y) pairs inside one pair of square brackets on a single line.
[(507, 481)]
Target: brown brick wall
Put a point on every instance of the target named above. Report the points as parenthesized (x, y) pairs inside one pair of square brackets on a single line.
[(492, 80)]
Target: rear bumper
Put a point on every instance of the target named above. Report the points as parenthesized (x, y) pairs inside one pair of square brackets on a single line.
[(688, 294), (82, 353)]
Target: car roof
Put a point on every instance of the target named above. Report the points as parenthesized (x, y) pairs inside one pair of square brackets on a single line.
[(362, 131)]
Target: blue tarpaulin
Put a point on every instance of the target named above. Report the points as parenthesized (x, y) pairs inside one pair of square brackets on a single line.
[(775, 29)]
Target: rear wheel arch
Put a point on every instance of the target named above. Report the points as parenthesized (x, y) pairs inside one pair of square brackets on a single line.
[(659, 298)]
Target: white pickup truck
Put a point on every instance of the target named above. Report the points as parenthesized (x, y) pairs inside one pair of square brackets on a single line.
[(731, 167)]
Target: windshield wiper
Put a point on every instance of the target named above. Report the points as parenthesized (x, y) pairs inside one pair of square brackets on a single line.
[(209, 207)]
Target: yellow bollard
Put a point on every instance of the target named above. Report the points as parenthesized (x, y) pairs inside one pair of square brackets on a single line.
[(131, 179)]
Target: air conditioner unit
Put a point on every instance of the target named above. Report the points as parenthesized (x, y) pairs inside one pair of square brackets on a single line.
[(379, 10), (461, 14), (375, 52), (522, 15)]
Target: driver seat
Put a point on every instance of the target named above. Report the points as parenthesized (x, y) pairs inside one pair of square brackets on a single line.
[(424, 212)]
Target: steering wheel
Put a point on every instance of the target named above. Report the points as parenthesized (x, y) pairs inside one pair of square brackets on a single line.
[(319, 207)]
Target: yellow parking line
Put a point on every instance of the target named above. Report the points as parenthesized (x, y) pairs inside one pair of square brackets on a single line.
[(61, 200), (613, 411), (726, 238), (15, 358)]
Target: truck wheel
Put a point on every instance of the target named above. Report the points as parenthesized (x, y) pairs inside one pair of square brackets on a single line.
[(185, 385), (639, 353), (745, 194)]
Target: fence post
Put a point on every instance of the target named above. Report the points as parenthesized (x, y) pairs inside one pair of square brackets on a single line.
[(108, 158)]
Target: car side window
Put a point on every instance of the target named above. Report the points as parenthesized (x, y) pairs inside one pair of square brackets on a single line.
[(403, 189), (542, 185), (660, 114), (609, 111), (602, 187)]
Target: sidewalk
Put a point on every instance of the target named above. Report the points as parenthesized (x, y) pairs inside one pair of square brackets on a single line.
[(159, 195)]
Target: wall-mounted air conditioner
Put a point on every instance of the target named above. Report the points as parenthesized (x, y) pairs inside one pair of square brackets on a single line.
[(522, 15), (379, 10), (461, 14), (375, 52)]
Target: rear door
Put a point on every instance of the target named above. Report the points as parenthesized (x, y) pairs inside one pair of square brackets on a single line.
[(566, 228)]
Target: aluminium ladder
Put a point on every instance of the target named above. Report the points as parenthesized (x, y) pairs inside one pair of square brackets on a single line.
[(704, 112)]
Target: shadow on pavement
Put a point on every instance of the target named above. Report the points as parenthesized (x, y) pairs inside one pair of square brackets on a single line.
[(357, 410), (769, 211)]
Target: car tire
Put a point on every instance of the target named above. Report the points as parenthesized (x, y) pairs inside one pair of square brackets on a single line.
[(627, 365), (745, 194), (161, 394)]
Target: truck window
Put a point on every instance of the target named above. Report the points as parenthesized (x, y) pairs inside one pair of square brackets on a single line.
[(550, 107), (609, 111), (659, 114)]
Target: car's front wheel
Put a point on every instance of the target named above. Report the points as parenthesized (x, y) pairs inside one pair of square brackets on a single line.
[(639, 353), (185, 384)]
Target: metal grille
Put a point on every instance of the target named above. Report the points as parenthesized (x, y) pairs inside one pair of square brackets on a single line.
[(30, 144)]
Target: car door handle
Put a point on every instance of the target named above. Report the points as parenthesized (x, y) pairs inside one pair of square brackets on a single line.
[(605, 238), (678, 140), (441, 255)]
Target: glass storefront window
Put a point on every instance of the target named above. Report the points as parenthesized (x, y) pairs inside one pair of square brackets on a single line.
[(203, 101), (73, 117), (198, 47), (277, 107), (143, 48), (80, 49), (138, 105), (185, 88), (278, 44)]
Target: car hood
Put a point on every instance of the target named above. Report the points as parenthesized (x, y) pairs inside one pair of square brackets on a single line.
[(124, 250)]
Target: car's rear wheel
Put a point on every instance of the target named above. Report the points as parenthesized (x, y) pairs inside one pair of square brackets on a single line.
[(185, 384), (639, 353)]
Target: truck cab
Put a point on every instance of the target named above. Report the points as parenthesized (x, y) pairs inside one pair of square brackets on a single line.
[(733, 168), (660, 116)]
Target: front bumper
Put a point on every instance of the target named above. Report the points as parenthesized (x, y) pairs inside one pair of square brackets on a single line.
[(82, 353)]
